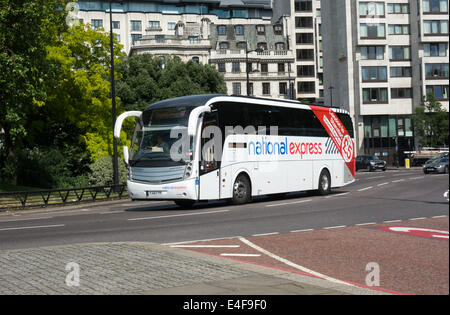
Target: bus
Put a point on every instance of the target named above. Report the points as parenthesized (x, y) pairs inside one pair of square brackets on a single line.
[(213, 147)]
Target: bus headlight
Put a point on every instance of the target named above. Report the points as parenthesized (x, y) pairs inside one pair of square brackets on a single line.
[(188, 171)]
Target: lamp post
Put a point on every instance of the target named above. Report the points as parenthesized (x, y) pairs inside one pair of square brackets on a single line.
[(113, 99), (247, 70), (331, 88)]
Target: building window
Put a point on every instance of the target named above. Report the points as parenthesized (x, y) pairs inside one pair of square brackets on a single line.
[(435, 6), (373, 31), (171, 26), (95, 24), (306, 87), (378, 74), (305, 71), (283, 88), (305, 54), (196, 59), (436, 71), (236, 67), (221, 67), (280, 46), (304, 38), (239, 30), (266, 88), (399, 29), (401, 93), (237, 88), (435, 27), (262, 46), (401, 72), (435, 49), (261, 30), (304, 22), (398, 8), (399, 53), (303, 6), (136, 26), (440, 92), (281, 68), (371, 9), (372, 52), (278, 29), (264, 67), (375, 95), (135, 37), (222, 30), (116, 25), (154, 24), (223, 46)]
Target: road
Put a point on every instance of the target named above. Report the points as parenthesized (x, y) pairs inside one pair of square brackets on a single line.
[(395, 197)]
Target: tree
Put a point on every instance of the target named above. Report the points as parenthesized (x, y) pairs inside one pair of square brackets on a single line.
[(147, 79), (431, 122)]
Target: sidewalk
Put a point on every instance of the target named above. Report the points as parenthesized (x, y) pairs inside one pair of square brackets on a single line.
[(147, 268)]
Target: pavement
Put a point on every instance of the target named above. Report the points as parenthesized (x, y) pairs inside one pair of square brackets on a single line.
[(150, 269)]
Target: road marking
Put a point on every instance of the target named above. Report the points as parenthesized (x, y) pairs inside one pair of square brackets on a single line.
[(240, 255), (305, 230), (392, 221), (376, 177), (32, 227), (204, 240), (338, 195), (439, 216), (205, 246), (367, 188), (368, 223), (289, 203), (176, 215), (417, 177), (290, 263), (334, 227), (265, 234), (414, 219), (382, 184), (398, 180), (17, 220)]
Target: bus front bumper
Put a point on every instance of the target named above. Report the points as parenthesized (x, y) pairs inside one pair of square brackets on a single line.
[(184, 190)]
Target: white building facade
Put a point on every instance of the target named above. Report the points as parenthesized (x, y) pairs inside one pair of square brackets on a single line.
[(380, 59)]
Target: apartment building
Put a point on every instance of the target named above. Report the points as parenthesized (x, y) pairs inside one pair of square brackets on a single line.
[(380, 59)]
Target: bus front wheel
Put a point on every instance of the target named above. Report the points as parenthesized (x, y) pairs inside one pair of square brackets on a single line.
[(324, 183), (241, 190)]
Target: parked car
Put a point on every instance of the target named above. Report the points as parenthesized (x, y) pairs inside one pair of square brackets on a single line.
[(370, 163), (438, 165)]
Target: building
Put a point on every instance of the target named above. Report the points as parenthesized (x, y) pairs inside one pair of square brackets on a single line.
[(380, 58)]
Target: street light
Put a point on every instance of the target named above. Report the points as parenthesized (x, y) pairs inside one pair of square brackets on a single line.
[(247, 70), (113, 99)]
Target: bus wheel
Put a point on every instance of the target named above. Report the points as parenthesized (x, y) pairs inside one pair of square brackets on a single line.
[(186, 204), (324, 183), (241, 190)]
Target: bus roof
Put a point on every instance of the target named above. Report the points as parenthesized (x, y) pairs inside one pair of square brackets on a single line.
[(201, 100)]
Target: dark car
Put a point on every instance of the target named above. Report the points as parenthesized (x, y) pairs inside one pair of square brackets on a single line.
[(439, 165), (370, 163)]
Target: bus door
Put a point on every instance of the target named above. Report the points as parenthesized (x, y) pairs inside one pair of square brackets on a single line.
[(210, 158)]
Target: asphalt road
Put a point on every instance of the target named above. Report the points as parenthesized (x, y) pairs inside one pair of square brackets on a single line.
[(374, 198)]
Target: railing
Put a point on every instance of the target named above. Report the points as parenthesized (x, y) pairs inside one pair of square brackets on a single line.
[(52, 197)]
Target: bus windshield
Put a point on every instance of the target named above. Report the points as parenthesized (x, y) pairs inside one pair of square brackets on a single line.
[(152, 142)]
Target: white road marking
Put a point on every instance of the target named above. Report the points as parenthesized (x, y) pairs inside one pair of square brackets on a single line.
[(392, 221), (338, 195), (439, 216), (240, 255), (289, 203), (398, 180), (204, 240), (176, 215), (414, 219), (368, 223), (205, 246), (420, 177), (265, 234), (32, 227), (305, 230), (334, 227), (290, 263), (382, 184), (367, 188), (17, 220)]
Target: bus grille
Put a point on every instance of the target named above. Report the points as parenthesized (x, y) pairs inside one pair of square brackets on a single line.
[(157, 175)]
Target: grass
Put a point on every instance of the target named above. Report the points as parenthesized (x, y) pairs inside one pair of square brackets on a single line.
[(8, 187)]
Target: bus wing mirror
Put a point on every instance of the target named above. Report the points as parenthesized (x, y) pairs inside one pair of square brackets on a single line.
[(121, 118), (193, 118), (126, 155)]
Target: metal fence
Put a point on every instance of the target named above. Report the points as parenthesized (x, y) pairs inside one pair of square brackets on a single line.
[(51, 197)]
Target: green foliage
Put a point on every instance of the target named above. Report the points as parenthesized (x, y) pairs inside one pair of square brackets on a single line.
[(102, 172), (431, 122), (145, 80)]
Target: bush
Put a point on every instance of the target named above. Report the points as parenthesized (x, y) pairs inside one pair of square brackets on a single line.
[(102, 172)]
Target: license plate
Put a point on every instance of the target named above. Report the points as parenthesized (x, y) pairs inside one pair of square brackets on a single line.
[(153, 193)]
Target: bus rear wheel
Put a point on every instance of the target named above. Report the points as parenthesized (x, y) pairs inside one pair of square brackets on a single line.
[(241, 190), (324, 183)]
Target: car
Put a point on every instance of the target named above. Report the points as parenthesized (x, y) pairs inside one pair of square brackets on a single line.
[(438, 165), (369, 163)]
